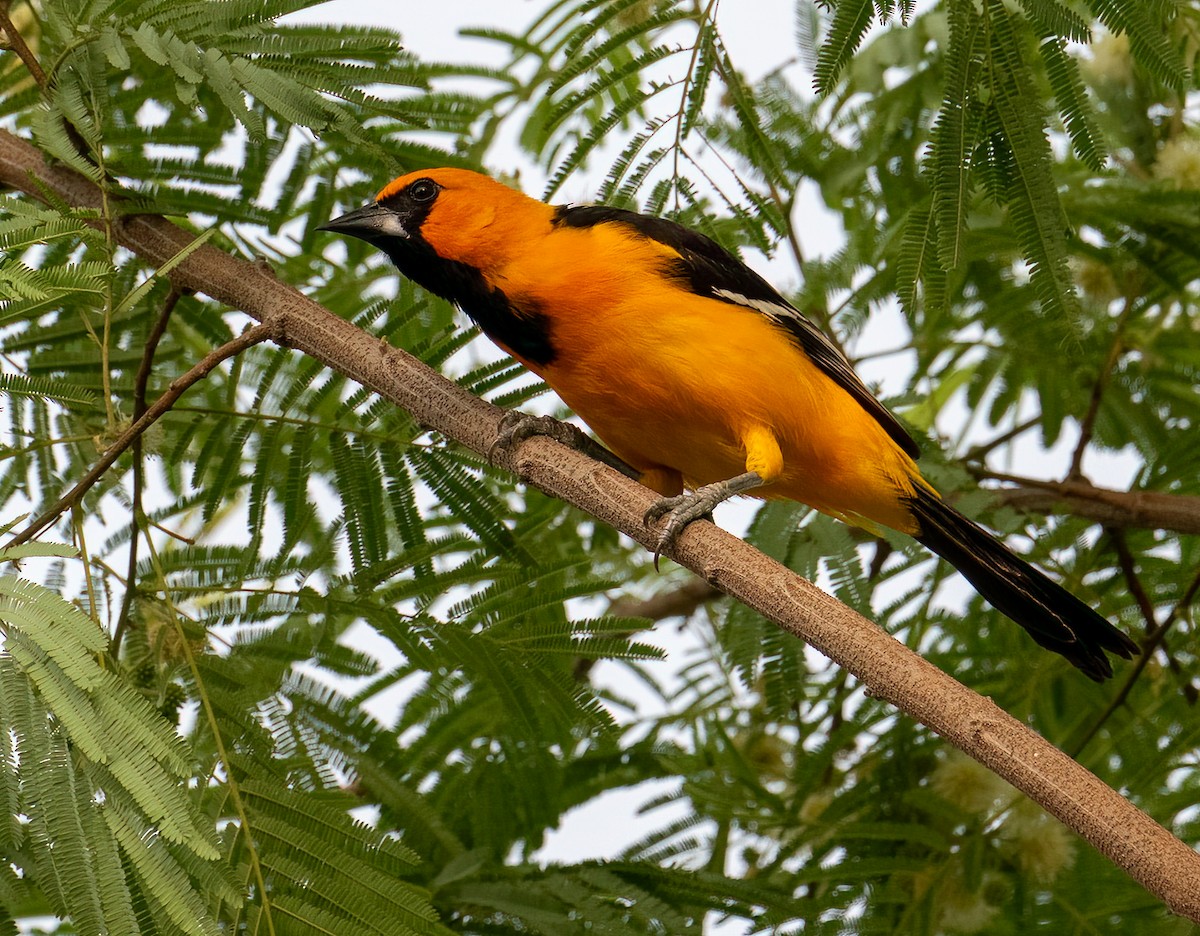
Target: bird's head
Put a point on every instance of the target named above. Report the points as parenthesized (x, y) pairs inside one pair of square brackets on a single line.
[(451, 215)]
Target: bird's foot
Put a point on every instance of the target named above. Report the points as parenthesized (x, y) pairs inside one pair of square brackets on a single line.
[(685, 509), (516, 427)]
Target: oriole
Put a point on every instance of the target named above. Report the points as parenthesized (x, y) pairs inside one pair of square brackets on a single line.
[(697, 373)]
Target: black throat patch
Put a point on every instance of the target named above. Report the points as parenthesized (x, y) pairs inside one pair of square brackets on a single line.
[(521, 328)]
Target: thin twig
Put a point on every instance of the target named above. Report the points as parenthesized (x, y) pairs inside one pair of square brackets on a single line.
[(139, 408), (17, 43), (86, 561), (174, 534), (983, 449), (1132, 581), (785, 209), (905, 348), (1152, 510), (883, 551), (689, 75), (1149, 645), (675, 602), (177, 388), (1087, 425)]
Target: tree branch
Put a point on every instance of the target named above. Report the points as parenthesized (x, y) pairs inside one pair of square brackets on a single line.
[(1129, 569), (1087, 425), (16, 42), (978, 452), (1151, 643), (674, 602), (1177, 513), (889, 670), (177, 388), (141, 382)]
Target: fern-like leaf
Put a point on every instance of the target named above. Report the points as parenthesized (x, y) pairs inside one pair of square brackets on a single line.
[(1062, 70), (851, 20), (954, 132), (1031, 196), (1148, 40)]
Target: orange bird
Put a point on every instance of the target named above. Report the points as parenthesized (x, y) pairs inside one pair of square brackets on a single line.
[(696, 373)]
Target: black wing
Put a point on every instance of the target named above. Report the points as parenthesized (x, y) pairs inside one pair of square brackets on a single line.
[(713, 272)]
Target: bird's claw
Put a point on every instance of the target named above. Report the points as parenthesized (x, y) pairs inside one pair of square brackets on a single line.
[(680, 511), (687, 508), (516, 427)]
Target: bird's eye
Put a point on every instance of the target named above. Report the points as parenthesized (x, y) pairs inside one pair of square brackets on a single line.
[(423, 190)]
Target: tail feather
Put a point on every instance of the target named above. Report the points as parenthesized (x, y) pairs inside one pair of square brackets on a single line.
[(1054, 617)]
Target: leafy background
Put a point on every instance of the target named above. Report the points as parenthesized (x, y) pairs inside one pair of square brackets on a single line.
[(185, 694)]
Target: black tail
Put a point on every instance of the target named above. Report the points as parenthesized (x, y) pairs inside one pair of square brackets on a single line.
[(1054, 617)]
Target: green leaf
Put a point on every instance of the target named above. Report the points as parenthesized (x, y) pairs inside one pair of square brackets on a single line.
[(1031, 194), (851, 20)]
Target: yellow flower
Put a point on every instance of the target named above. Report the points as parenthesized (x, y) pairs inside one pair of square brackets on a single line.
[(1110, 62), (1095, 279), (964, 911), (1179, 162), (1039, 845), (968, 784), (814, 805)]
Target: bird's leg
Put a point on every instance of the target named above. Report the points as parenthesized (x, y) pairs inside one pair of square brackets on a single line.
[(689, 507), (764, 463), (516, 427)]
